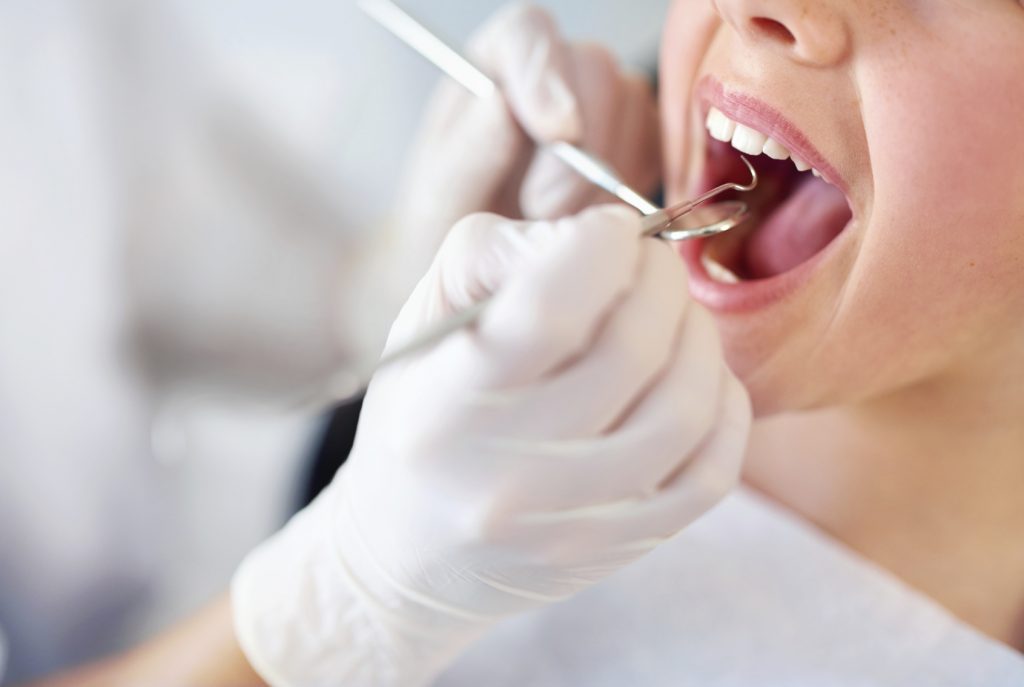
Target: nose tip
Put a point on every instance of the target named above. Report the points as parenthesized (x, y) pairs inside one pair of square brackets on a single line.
[(810, 32)]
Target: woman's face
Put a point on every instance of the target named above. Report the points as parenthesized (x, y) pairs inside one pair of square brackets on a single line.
[(907, 262)]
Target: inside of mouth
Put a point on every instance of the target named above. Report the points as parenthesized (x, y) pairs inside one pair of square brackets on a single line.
[(794, 215)]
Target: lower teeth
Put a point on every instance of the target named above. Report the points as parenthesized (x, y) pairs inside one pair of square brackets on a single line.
[(718, 272)]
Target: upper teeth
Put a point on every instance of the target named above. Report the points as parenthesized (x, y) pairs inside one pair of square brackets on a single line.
[(750, 141)]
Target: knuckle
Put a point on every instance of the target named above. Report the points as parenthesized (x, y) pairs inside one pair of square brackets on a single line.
[(465, 259)]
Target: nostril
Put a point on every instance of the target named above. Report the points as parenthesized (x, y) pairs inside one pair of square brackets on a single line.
[(772, 29)]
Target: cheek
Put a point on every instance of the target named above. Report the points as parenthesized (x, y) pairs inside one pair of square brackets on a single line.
[(941, 262), (946, 159)]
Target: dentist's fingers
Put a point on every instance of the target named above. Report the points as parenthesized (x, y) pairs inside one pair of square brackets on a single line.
[(677, 412), (553, 286), (550, 188), (556, 91), (620, 126), (633, 461), (706, 477), (631, 523), (449, 175), (630, 353), (522, 49), (476, 257)]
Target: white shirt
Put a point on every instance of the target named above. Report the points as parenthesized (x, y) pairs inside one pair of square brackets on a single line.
[(749, 596)]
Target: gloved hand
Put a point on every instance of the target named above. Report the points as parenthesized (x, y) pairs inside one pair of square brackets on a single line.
[(473, 155), (588, 417)]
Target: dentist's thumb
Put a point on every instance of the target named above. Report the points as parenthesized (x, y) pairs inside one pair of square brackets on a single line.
[(522, 49)]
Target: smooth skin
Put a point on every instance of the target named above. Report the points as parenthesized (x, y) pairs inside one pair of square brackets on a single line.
[(911, 449)]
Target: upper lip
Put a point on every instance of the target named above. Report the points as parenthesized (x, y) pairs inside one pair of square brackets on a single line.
[(760, 116)]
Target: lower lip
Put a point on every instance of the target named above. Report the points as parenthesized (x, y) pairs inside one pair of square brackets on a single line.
[(756, 294)]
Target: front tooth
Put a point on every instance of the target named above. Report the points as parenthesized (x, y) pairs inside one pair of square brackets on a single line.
[(816, 173), (719, 126), (718, 272), (801, 166), (748, 141), (775, 150)]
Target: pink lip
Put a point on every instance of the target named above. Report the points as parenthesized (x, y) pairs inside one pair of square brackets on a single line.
[(748, 296), (759, 115)]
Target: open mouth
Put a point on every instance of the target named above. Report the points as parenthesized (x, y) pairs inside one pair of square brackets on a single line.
[(796, 211)]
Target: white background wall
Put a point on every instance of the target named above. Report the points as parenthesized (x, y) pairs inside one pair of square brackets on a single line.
[(350, 92)]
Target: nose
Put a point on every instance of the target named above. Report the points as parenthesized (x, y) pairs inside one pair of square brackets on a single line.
[(811, 32)]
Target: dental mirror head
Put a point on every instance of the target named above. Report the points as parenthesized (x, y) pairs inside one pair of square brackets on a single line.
[(694, 219), (704, 221)]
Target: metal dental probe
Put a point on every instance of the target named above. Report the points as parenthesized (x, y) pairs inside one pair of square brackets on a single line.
[(660, 223), (451, 62)]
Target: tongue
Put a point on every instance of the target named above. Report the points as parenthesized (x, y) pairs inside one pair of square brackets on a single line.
[(802, 226)]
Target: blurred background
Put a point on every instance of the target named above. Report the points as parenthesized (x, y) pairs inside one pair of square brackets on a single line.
[(180, 183), (348, 94)]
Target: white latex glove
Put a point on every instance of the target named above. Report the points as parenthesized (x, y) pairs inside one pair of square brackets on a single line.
[(472, 155), (588, 417)]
